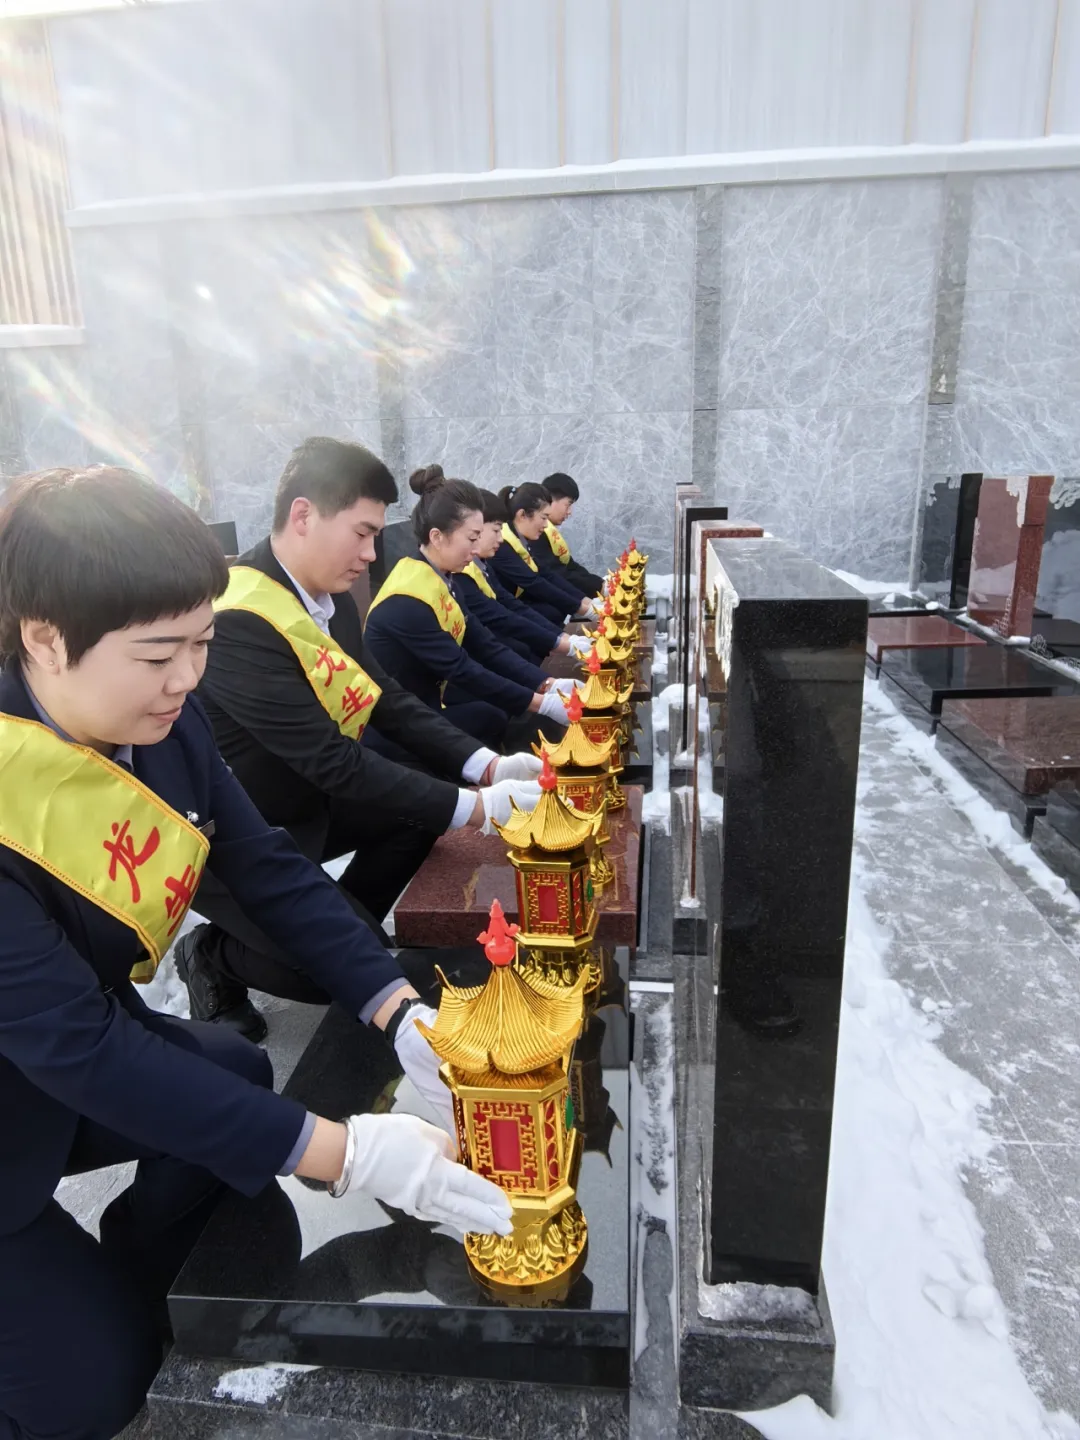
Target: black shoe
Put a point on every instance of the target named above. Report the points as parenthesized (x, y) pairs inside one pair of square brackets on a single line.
[(212, 996)]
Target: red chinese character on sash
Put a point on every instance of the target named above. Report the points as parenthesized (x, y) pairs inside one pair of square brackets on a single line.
[(325, 658), (352, 702), (123, 852), (456, 629), (181, 894), (447, 604)]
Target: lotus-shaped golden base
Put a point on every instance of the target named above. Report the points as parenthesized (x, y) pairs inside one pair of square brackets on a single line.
[(537, 1263)]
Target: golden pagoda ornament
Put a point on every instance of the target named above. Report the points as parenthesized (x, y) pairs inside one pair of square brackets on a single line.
[(506, 1048), (607, 714), (582, 773), (618, 658), (551, 849)]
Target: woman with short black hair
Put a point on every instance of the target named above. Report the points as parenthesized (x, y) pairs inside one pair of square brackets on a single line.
[(550, 551), (526, 514), (113, 801), (418, 631)]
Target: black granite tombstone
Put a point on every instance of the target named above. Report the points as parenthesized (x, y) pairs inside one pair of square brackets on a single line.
[(293, 1276), (1059, 571), (920, 681), (791, 638), (224, 532), (948, 531)]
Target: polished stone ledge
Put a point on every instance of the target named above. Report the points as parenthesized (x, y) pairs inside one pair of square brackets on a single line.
[(867, 162)]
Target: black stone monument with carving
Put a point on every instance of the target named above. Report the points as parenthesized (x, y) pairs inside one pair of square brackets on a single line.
[(948, 533), (756, 1065)]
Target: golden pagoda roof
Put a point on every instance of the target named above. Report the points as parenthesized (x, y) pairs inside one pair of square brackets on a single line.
[(575, 748), (598, 693), (511, 1025), (554, 825)]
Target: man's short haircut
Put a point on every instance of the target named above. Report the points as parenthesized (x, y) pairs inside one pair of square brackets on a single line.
[(333, 475), (96, 550), (562, 487)]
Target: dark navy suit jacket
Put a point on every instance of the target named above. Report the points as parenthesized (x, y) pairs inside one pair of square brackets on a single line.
[(410, 644), (506, 617), (548, 563), (76, 1039), (550, 593)]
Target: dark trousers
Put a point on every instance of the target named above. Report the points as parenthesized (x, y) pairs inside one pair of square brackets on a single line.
[(485, 722), (387, 857), (80, 1321)]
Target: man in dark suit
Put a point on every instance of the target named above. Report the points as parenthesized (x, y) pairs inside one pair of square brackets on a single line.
[(551, 551), (385, 797)]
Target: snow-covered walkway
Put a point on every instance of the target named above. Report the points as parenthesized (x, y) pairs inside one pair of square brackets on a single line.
[(953, 1247)]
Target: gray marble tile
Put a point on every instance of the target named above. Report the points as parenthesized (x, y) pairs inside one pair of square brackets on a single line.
[(528, 447), (283, 316), (465, 448), (840, 483), (1023, 345), (443, 306), (1016, 434), (637, 460), (543, 258), (784, 344), (940, 446), (1025, 232), (643, 281), (12, 461), (834, 237)]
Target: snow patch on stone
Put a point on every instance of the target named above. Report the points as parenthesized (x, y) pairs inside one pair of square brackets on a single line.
[(259, 1384)]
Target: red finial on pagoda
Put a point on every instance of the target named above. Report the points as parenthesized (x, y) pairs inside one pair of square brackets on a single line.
[(593, 662), (498, 938), (601, 625), (607, 607), (573, 706), (623, 558), (548, 779), (633, 544)]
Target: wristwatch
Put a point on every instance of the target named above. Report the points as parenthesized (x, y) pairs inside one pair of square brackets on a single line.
[(393, 1025)]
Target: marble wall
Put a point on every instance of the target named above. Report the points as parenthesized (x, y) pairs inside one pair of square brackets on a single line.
[(812, 354), (823, 332)]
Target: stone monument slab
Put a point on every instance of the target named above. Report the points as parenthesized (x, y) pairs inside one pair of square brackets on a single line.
[(922, 680), (448, 900), (758, 1014), (1056, 835), (1014, 751), (1007, 552), (948, 529), (1059, 573), (295, 1277), (922, 632)]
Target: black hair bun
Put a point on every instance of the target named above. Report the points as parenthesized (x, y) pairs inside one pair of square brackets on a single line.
[(425, 479)]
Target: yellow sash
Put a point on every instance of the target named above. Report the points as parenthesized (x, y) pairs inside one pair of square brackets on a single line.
[(421, 581), (514, 540), (479, 579), (99, 830), (345, 692), (559, 547)]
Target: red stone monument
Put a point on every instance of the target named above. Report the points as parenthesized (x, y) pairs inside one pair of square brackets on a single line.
[(1007, 551)]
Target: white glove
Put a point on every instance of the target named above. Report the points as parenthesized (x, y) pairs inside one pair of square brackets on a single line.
[(521, 766), (496, 801), (551, 706), (421, 1064), (598, 604), (407, 1163), (580, 645), (564, 687)]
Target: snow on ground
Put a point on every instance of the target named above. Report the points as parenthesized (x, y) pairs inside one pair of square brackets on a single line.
[(991, 825), (923, 1351)]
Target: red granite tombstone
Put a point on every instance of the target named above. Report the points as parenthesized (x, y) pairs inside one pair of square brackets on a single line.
[(914, 632), (448, 899), (1007, 552), (1032, 744)]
